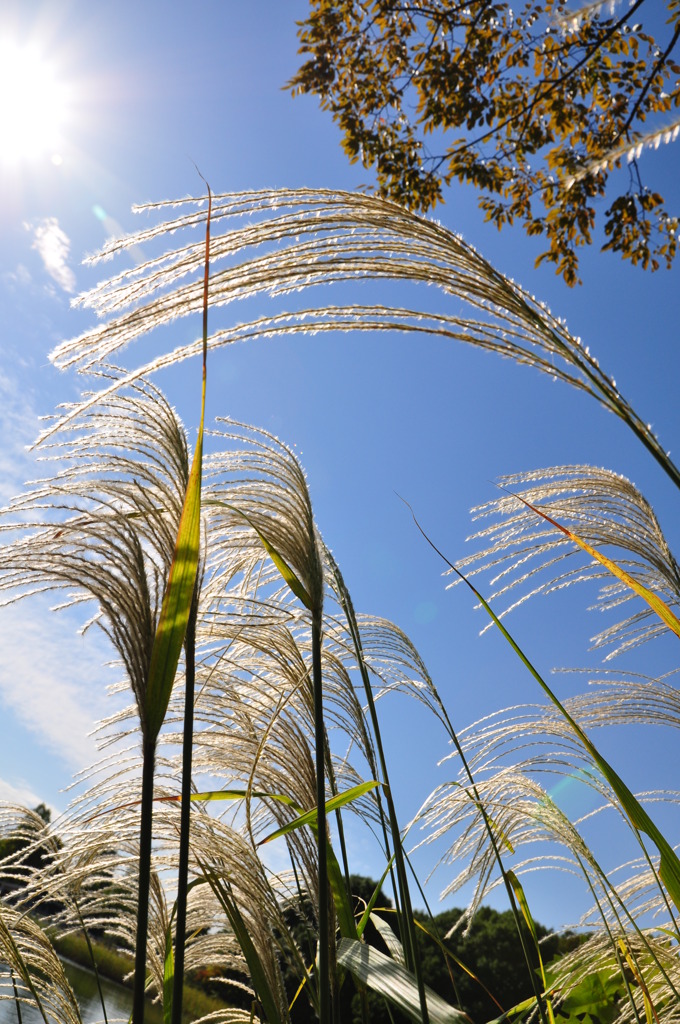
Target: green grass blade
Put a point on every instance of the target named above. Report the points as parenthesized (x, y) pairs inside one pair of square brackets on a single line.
[(255, 967), (394, 946), (374, 899), (172, 624), (343, 907), (310, 817), (279, 561), (653, 600), (669, 865), (228, 794), (528, 917), (168, 976), (383, 975), (179, 592)]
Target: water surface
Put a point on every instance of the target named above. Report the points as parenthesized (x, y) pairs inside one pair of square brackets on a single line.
[(118, 1001)]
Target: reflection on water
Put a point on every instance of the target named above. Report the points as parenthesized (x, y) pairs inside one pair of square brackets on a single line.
[(118, 1001)]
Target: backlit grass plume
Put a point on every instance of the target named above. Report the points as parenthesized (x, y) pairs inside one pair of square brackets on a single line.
[(282, 242), (523, 552), (104, 528)]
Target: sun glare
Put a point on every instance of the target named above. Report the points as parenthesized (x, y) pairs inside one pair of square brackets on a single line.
[(32, 105)]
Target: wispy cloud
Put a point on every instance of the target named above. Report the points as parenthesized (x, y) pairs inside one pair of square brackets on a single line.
[(19, 424), (18, 278), (19, 792), (54, 246), (53, 681)]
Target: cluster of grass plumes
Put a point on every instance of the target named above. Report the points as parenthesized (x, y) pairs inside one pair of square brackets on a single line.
[(253, 682)]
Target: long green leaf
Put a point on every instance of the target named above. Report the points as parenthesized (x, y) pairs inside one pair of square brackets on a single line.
[(374, 899), (343, 907), (528, 917), (279, 561), (309, 817), (168, 975), (179, 592), (228, 794), (669, 865), (255, 967), (394, 946), (383, 975), (177, 599)]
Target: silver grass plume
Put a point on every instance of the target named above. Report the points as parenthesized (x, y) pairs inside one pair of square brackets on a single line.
[(36, 974), (103, 526), (256, 494), (294, 239), (523, 552), (620, 698)]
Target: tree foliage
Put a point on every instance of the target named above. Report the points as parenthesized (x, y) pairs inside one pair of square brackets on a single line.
[(494, 969), (535, 107)]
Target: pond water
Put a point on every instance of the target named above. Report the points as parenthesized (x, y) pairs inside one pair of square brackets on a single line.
[(118, 1001)]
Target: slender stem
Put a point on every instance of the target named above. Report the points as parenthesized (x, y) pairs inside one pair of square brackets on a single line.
[(145, 836), (401, 891), (323, 955), (92, 961), (17, 1001), (185, 815)]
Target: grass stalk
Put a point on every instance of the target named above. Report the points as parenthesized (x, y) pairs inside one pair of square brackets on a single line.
[(185, 814), (323, 957), (93, 961), (17, 1000), (144, 885), (405, 914)]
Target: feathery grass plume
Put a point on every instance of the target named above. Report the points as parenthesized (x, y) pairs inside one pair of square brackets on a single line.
[(620, 698), (104, 527), (293, 239), (254, 707), (254, 702), (36, 975), (636, 963), (526, 819), (232, 868), (257, 498), (604, 509), (99, 861), (281, 518)]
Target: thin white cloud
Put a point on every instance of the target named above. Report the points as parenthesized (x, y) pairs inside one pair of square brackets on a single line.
[(18, 792), (19, 424), (53, 681), (54, 246), (18, 278)]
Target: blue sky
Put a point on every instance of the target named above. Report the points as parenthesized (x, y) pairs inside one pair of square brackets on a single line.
[(152, 88)]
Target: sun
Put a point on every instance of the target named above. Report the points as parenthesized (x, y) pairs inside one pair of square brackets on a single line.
[(32, 105)]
